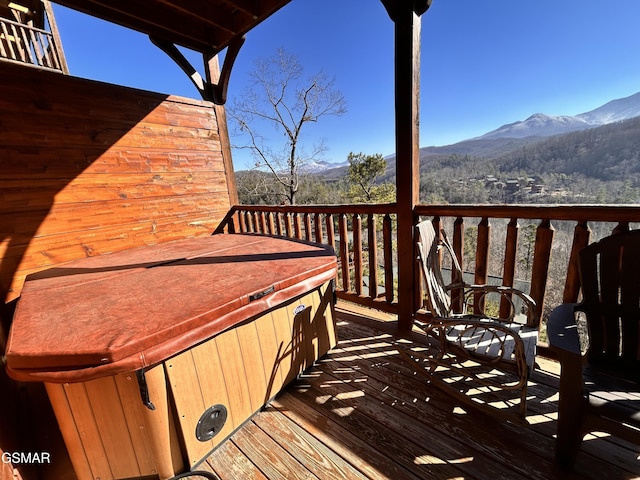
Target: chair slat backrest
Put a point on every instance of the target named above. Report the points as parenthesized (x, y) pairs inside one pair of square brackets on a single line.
[(610, 278), (428, 244)]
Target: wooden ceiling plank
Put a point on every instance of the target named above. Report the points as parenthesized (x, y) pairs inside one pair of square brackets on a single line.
[(206, 26), (206, 12), (188, 32)]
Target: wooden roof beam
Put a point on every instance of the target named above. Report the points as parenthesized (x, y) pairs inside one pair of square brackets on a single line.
[(213, 87)]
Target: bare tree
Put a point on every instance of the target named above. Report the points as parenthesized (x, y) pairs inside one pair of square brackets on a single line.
[(281, 99)]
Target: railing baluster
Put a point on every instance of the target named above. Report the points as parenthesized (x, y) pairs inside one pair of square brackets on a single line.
[(39, 46), (48, 46), (3, 52), (9, 43), (387, 249), (357, 252), (40, 49), (581, 237), (277, 223), (331, 236), (263, 222), (307, 227), (458, 246), (482, 251), (482, 261), (509, 267), (34, 44), (242, 220), (317, 224), (255, 221), (19, 47), (421, 293), (457, 299), (231, 224), (271, 225), (27, 50), (373, 256), (287, 225), (297, 226), (344, 253), (541, 258)]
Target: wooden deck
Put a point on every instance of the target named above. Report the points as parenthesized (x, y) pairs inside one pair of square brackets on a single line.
[(360, 413)]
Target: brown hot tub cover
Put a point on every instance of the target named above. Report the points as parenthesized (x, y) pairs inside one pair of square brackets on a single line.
[(127, 311)]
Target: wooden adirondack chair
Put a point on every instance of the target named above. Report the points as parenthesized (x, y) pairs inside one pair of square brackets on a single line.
[(600, 389), (496, 344)]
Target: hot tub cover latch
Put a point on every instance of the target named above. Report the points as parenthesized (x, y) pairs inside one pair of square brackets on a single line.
[(259, 295), (144, 390)]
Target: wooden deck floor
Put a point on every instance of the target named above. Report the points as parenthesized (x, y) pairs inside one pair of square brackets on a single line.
[(360, 413)]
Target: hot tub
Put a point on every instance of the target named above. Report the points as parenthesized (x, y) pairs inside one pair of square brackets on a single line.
[(153, 356)]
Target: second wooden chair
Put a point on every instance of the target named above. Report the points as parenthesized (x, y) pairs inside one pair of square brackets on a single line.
[(496, 353)]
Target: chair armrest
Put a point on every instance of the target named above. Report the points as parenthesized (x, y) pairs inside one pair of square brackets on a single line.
[(504, 292), (562, 330)]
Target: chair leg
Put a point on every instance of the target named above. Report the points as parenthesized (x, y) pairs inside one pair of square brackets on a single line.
[(571, 412), (523, 401), (569, 436)]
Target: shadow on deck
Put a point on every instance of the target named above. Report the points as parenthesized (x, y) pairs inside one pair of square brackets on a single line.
[(360, 413)]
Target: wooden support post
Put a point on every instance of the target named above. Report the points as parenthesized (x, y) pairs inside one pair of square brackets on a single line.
[(55, 34), (406, 17), (213, 74)]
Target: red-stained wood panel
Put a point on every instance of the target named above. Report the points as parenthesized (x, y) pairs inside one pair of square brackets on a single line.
[(89, 168)]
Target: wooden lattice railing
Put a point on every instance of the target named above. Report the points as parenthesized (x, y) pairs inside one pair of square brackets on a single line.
[(28, 45), (495, 237)]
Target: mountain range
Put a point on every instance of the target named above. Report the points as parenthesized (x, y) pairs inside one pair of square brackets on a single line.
[(542, 125), (593, 157), (514, 136)]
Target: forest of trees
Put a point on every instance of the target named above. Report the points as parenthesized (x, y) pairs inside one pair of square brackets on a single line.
[(596, 166), (599, 165)]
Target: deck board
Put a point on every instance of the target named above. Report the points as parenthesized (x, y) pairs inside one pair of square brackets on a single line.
[(361, 413)]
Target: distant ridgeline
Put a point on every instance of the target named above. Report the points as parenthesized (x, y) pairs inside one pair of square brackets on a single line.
[(593, 157)]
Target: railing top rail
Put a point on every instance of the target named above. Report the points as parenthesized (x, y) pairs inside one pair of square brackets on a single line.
[(22, 25), (601, 213), (385, 208)]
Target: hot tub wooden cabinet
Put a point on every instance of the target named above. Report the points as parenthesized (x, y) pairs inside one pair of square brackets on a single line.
[(152, 357)]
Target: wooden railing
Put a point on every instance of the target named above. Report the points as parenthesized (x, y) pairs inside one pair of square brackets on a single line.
[(28, 45), (495, 237), (362, 236), (580, 225)]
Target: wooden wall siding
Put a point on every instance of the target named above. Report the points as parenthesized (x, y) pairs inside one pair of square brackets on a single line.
[(88, 168)]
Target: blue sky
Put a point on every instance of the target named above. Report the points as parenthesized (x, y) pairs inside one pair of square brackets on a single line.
[(484, 64)]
